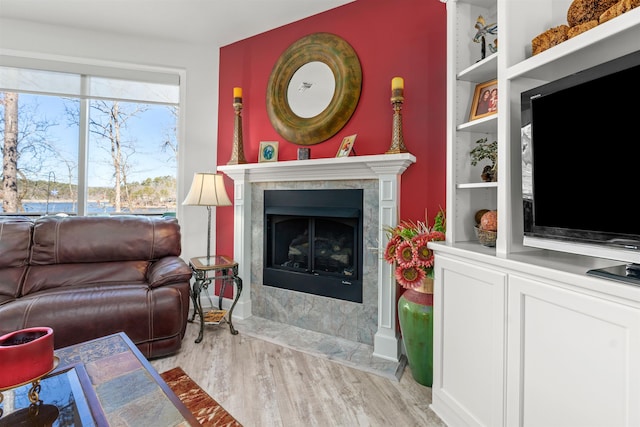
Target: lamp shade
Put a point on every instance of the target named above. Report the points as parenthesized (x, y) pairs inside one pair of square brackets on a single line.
[(207, 189)]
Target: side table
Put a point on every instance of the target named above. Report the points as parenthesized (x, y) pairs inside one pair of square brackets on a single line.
[(206, 270)]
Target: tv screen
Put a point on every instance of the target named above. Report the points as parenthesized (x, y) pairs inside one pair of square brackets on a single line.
[(581, 162)]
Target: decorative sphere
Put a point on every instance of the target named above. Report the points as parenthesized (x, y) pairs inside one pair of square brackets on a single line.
[(489, 221), (478, 215)]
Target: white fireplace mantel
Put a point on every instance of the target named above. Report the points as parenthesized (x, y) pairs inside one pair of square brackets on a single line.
[(386, 168), (339, 168)]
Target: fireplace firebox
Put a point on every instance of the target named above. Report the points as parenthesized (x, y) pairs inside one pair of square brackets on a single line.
[(313, 242)]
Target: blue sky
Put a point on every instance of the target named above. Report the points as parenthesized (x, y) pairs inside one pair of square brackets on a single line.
[(146, 131)]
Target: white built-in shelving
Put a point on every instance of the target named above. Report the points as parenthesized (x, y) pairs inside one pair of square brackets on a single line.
[(518, 330), (466, 192)]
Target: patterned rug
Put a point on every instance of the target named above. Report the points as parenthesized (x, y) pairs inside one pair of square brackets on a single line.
[(204, 407)]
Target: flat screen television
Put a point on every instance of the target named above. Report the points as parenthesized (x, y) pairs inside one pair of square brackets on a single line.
[(580, 139)]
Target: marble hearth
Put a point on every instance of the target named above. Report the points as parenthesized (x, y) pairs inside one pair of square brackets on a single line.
[(372, 322)]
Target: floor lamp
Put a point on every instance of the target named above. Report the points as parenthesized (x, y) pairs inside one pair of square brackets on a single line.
[(207, 189)]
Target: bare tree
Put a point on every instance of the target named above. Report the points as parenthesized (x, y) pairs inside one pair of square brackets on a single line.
[(170, 142), (71, 166), (10, 153), (126, 167), (26, 150), (109, 125)]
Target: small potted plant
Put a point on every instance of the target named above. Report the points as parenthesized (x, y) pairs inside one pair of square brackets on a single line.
[(489, 151)]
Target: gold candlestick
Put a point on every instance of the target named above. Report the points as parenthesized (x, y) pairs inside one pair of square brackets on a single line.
[(237, 153), (397, 139)]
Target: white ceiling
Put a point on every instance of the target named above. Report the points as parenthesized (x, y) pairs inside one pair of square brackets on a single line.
[(217, 22)]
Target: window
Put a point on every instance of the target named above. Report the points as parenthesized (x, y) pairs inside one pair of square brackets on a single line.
[(99, 140)]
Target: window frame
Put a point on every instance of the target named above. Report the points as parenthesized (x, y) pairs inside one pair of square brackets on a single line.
[(100, 69)]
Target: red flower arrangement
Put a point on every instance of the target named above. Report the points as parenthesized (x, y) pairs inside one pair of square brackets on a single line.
[(407, 249)]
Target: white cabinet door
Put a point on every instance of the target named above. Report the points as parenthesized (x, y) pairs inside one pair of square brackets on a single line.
[(469, 343), (573, 358)]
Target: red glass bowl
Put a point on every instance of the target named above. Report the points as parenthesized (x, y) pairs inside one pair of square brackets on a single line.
[(26, 355)]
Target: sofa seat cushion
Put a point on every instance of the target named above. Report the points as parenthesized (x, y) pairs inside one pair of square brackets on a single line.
[(86, 312), (45, 277), (10, 282)]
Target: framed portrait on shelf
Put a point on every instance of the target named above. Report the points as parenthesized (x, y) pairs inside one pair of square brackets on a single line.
[(347, 146), (268, 151), (485, 100)]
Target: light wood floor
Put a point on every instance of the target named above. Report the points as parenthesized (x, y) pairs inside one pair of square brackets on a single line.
[(263, 385)]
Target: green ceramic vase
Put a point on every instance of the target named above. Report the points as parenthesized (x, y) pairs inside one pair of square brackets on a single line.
[(415, 312)]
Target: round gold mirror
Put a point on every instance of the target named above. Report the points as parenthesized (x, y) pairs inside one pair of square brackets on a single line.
[(314, 89)]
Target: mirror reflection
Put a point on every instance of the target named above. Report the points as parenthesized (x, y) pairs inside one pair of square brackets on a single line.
[(311, 89)]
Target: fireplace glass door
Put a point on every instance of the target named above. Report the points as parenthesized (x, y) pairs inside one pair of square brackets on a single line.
[(315, 249), (315, 245)]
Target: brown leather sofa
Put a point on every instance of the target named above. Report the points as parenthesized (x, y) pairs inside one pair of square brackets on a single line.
[(86, 277)]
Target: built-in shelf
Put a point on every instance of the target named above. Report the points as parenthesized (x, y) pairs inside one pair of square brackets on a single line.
[(482, 71), (485, 124), (465, 195), (605, 42), (478, 185)]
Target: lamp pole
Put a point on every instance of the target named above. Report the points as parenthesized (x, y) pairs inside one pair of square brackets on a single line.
[(209, 235)]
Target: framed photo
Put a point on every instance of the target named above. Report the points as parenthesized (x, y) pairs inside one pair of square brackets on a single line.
[(347, 146), (485, 100), (268, 151)]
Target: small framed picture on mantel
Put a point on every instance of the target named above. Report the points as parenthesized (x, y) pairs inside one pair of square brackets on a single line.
[(347, 146), (268, 151)]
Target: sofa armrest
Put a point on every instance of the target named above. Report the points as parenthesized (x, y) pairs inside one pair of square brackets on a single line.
[(167, 270)]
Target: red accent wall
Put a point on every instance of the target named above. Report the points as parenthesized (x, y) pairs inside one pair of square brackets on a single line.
[(405, 38)]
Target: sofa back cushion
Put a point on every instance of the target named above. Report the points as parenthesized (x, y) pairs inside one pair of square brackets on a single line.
[(80, 239), (15, 238)]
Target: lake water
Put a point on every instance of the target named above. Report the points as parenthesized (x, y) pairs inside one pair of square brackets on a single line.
[(92, 208)]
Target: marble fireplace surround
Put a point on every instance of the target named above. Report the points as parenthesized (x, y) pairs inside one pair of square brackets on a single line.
[(374, 321)]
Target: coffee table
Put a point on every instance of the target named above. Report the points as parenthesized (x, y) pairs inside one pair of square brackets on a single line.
[(112, 384)]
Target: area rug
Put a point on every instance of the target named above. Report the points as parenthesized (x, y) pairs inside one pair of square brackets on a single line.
[(208, 412)]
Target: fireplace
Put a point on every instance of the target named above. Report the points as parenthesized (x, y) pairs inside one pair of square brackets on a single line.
[(372, 322), (313, 242)]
